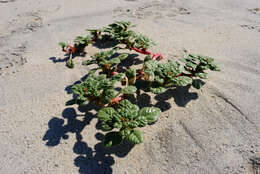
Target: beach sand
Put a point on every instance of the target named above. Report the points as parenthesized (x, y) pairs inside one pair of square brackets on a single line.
[(212, 130)]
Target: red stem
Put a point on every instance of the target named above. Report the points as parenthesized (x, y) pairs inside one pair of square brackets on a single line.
[(143, 51)]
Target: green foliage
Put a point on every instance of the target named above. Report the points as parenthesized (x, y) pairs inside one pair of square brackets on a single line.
[(70, 63), (95, 88), (112, 87), (143, 42), (106, 60), (126, 118)]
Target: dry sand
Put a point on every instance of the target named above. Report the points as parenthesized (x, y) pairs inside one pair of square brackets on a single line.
[(212, 130)]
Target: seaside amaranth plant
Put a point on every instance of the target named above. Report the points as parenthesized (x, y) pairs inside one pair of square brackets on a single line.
[(115, 89)]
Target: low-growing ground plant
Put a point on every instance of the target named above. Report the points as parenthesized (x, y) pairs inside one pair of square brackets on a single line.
[(114, 90)]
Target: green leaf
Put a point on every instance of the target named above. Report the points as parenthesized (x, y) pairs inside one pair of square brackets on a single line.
[(112, 139), (148, 58), (150, 113), (127, 110), (135, 137), (133, 124), (118, 125), (105, 114), (118, 77), (214, 67), (182, 81), (151, 65), (131, 73), (191, 65), (202, 75), (157, 90), (150, 75), (106, 127), (63, 44), (88, 62), (122, 56), (85, 102), (142, 121), (77, 89), (125, 132), (159, 80), (107, 96), (70, 63), (115, 61), (129, 90)]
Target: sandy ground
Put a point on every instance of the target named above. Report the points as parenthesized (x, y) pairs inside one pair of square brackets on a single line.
[(212, 130)]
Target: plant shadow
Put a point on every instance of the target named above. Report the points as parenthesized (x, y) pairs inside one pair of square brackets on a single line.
[(98, 159), (181, 97), (104, 44)]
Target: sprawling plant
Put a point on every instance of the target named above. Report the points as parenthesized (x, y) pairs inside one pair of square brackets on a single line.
[(114, 89)]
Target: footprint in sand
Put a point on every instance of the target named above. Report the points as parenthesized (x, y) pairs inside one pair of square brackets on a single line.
[(12, 58), (154, 10), (6, 1), (255, 10), (24, 23), (251, 27)]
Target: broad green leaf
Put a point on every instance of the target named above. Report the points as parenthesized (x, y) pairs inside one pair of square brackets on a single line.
[(85, 102), (118, 77), (127, 110), (118, 125), (112, 139), (135, 137), (106, 127), (115, 61), (191, 65), (214, 67), (157, 90), (202, 75), (148, 58), (122, 56), (133, 124), (150, 113), (107, 96), (81, 99), (150, 74), (88, 62), (125, 132), (129, 90), (70, 63), (159, 80), (142, 121), (151, 65), (106, 113), (77, 89), (63, 44), (130, 73), (182, 81)]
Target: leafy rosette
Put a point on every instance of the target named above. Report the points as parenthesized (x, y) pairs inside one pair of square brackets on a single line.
[(126, 117)]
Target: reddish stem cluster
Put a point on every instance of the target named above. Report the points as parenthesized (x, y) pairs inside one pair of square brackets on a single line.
[(144, 51)]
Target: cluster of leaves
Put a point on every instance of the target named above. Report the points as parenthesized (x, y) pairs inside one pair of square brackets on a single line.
[(113, 90), (106, 60), (118, 32), (99, 89), (79, 46), (159, 76), (126, 117), (121, 33)]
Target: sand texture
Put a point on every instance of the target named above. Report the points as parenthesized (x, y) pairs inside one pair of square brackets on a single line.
[(212, 130)]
